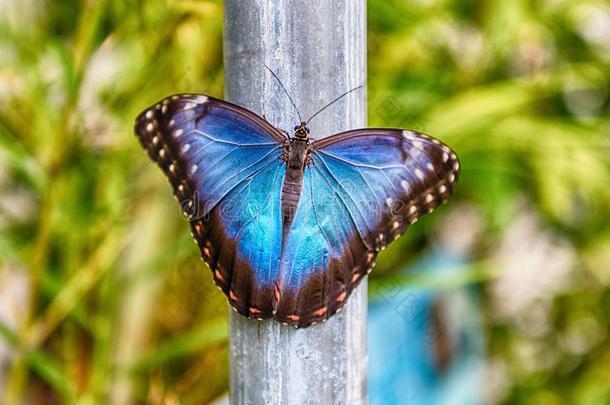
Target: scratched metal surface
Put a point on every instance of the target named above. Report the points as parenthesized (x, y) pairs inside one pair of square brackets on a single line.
[(318, 49)]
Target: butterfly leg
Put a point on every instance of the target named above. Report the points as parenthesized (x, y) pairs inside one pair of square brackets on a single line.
[(283, 131)]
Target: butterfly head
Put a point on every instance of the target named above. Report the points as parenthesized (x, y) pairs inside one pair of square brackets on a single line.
[(301, 131)]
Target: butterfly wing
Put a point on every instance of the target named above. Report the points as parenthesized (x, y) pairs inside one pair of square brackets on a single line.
[(240, 239), (361, 191), (206, 146), (225, 166), (324, 255)]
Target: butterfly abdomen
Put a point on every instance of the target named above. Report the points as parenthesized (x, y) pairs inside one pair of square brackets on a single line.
[(293, 183)]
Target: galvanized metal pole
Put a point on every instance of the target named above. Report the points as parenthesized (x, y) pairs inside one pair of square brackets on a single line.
[(318, 49)]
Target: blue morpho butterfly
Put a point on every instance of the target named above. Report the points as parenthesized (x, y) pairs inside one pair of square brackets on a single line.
[(290, 225)]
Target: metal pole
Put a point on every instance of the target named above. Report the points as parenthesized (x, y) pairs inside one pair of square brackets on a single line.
[(318, 49)]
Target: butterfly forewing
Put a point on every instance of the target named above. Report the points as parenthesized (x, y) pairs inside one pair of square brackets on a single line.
[(387, 177), (206, 146)]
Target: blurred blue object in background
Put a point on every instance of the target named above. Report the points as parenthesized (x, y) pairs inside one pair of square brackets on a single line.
[(426, 346)]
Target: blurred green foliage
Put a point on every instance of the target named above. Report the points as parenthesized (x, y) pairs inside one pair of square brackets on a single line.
[(105, 299)]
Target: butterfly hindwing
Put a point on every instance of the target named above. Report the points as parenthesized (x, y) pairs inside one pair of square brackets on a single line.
[(324, 257), (240, 240)]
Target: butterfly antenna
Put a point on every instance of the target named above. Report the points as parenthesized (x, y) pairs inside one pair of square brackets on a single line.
[(333, 102), (285, 91)]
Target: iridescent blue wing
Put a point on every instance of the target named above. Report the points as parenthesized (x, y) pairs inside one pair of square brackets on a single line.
[(241, 241), (224, 163), (322, 249), (361, 191)]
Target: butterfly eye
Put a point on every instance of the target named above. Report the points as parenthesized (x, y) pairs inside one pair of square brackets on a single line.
[(296, 127)]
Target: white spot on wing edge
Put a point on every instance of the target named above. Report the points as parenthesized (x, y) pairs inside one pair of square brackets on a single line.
[(408, 134), (419, 174), (198, 100)]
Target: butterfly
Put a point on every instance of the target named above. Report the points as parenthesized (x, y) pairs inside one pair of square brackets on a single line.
[(290, 225)]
